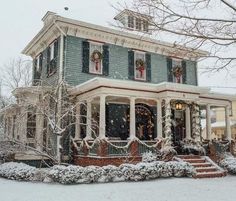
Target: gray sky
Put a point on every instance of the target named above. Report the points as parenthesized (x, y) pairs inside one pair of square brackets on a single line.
[(21, 20)]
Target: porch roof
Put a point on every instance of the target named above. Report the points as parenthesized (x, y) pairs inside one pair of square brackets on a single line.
[(160, 90), (97, 82)]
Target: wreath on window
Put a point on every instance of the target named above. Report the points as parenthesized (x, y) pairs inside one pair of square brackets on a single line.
[(96, 56), (140, 66), (177, 71)]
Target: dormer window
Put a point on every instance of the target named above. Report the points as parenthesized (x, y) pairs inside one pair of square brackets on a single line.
[(134, 21), (138, 24), (130, 22)]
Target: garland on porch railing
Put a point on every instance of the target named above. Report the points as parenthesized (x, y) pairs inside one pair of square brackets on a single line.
[(196, 124), (165, 144)]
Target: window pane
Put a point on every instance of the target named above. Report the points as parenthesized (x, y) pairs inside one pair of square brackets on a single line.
[(95, 65), (138, 24), (140, 66), (130, 21)]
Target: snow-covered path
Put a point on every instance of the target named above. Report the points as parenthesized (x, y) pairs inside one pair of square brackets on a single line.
[(175, 189)]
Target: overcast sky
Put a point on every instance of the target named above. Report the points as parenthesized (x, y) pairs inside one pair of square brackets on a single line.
[(21, 20)]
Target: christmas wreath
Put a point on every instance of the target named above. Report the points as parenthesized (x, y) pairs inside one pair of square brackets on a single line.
[(177, 71), (96, 56), (140, 66)]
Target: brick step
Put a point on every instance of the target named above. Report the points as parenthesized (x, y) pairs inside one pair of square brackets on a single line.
[(210, 174), (196, 165), (194, 160), (206, 169), (189, 157)]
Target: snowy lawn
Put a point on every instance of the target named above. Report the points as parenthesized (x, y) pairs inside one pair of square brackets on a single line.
[(171, 189)]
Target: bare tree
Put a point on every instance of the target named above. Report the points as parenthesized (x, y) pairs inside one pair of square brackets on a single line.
[(200, 24), (16, 73)]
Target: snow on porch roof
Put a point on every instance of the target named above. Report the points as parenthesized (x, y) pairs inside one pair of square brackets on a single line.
[(95, 83)]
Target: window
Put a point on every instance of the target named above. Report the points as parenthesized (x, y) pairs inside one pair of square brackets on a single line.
[(130, 22), (38, 62), (96, 57), (138, 24), (145, 26), (140, 66), (31, 124), (52, 57), (177, 70)]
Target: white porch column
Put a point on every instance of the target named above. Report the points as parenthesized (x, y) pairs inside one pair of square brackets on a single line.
[(102, 117), (187, 123), (208, 122), (227, 123), (89, 120), (77, 123), (159, 119), (132, 117), (39, 130)]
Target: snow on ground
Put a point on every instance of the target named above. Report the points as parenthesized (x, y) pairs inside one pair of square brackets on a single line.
[(174, 189)]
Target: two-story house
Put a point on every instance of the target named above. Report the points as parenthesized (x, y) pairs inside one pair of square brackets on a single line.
[(128, 89)]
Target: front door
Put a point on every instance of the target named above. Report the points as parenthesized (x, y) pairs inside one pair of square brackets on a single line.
[(178, 127)]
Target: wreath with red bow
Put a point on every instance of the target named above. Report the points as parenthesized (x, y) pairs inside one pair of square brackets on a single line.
[(96, 56), (177, 71)]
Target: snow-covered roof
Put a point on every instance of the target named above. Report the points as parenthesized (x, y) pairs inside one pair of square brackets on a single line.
[(54, 25)]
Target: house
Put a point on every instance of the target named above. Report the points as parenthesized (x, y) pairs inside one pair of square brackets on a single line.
[(218, 127), (128, 91)]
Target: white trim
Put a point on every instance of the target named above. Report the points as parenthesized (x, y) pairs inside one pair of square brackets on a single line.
[(108, 35)]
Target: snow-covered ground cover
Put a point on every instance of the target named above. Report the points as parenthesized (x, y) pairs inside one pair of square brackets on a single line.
[(93, 174), (229, 163), (173, 189)]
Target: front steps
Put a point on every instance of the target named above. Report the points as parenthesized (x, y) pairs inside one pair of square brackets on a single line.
[(204, 166)]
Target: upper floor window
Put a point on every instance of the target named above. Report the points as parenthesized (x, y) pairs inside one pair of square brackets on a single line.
[(52, 58), (177, 71), (38, 63), (140, 65), (96, 57)]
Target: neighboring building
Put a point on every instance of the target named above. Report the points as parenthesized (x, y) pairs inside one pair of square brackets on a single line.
[(219, 127), (131, 90)]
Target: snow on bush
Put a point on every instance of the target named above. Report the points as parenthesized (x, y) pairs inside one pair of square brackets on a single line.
[(229, 163), (17, 171), (148, 157), (94, 174), (125, 172)]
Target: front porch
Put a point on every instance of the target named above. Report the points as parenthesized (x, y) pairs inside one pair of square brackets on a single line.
[(117, 121)]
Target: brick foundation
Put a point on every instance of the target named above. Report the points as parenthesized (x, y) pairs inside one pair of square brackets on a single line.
[(102, 161)]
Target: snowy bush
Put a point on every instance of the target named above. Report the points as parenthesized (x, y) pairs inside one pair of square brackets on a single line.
[(125, 172), (191, 146), (229, 163), (93, 174), (148, 157), (17, 171)]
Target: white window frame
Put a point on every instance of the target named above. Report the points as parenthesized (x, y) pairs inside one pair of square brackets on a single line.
[(91, 43), (174, 78), (38, 62), (52, 49), (145, 72)]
